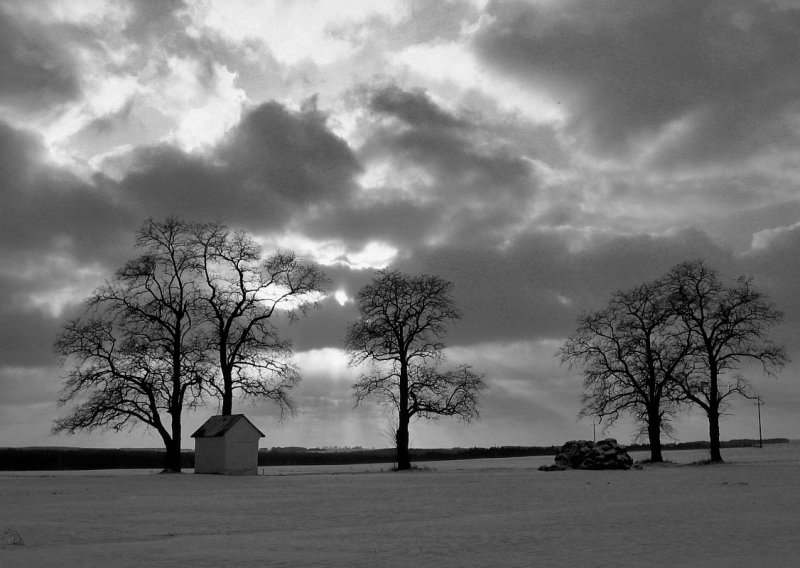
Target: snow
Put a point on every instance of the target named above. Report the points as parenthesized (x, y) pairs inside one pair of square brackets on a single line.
[(494, 512)]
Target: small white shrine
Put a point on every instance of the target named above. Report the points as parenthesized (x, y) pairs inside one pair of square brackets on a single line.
[(227, 445)]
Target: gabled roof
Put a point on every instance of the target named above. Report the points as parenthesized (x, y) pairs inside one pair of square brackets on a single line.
[(219, 425)]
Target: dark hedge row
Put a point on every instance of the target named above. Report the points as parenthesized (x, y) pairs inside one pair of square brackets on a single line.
[(742, 443), (55, 458), (303, 456), (41, 459)]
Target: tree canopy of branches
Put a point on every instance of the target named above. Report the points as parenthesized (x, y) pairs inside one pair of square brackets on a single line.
[(191, 316), (139, 354), (241, 295), (630, 352), (402, 322), (726, 326), (672, 342)]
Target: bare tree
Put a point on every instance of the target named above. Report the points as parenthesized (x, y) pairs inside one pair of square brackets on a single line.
[(139, 354), (630, 352), (242, 296), (727, 326), (402, 321)]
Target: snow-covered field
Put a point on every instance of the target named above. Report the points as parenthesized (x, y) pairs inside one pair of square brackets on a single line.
[(499, 512)]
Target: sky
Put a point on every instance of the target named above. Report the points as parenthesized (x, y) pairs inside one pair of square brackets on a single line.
[(539, 154)]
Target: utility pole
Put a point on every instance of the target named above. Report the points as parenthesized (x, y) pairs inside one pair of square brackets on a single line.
[(759, 403)]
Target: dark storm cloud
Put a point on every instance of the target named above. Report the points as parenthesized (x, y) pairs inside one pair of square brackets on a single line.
[(445, 175), (159, 30), (776, 268), (454, 171), (412, 107), (291, 154), (29, 333), (511, 285), (535, 288), (359, 220), (36, 69), (16, 391), (275, 163), (450, 148), (48, 209), (61, 235), (626, 70), (531, 290), (52, 226), (153, 21)]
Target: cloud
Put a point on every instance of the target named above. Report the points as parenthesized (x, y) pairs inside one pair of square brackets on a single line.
[(775, 266), (48, 210), (768, 237), (412, 107), (274, 164), (536, 287), (461, 156), (290, 154), (28, 337), (438, 166), (702, 80), (59, 237), (277, 23), (37, 71)]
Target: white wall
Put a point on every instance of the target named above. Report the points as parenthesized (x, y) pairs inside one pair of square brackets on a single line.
[(209, 455), (236, 453)]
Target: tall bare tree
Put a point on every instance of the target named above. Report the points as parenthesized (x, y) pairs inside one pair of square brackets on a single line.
[(400, 329), (139, 354), (727, 326), (242, 295), (630, 353)]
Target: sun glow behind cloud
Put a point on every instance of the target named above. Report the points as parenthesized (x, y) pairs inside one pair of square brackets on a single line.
[(373, 255), (70, 290), (278, 25), (341, 297), (193, 102), (452, 63), (211, 112)]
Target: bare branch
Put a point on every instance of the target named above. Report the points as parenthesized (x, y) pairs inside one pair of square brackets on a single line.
[(400, 330)]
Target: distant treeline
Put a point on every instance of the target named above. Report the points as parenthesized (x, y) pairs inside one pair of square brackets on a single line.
[(303, 456), (699, 445), (53, 458), (57, 458)]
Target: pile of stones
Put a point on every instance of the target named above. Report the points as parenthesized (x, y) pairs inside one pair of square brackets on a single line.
[(584, 454)]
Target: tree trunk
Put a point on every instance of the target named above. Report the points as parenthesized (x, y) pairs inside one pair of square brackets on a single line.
[(713, 415), (173, 443), (227, 393), (173, 458), (654, 435), (172, 461), (713, 436), (403, 455), (403, 418), (227, 377)]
